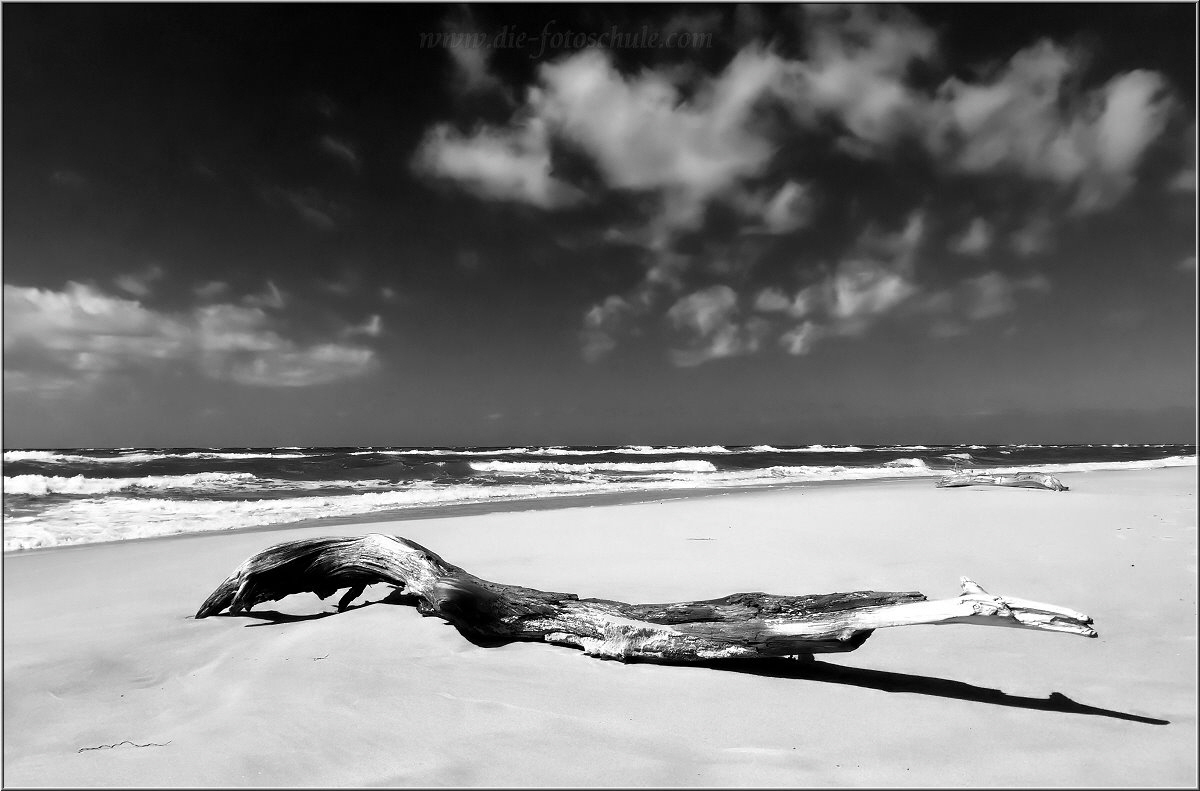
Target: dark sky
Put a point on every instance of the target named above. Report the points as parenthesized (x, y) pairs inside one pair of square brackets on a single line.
[(244, 225)]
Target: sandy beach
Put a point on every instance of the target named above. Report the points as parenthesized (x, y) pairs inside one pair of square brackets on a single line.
[(100, 648)]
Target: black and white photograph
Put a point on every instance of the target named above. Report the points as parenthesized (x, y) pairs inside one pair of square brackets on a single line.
[(599, 395)]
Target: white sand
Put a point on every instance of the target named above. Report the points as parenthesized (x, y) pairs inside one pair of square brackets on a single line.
[(100, 647)]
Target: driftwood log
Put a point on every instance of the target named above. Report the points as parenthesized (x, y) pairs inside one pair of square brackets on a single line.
[(743, 625), (1025, 480)]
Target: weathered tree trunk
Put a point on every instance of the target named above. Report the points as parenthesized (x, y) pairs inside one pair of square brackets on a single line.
[(742, 625), (1026, 480)]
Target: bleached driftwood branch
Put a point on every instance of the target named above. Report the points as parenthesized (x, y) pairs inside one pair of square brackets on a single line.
[(738, 626), (1026, 480)]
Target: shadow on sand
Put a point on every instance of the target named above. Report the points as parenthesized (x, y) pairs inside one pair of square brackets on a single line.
[(805, 670)]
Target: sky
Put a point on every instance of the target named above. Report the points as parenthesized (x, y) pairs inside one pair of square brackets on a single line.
[(376, 224)]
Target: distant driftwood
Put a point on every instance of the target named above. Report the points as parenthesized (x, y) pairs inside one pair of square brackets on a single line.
[(1026, 480), (743, 625)]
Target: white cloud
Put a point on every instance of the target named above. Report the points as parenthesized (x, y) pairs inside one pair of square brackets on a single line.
[(1185, 179), (82, 329), (506, 163), (82, 335), (372, 327), (788, 208), (975, 240), (1030, 119), (801, 339), (271, 297), (138, 283), (709, 321), (640, 132), (644, 136), (874, 280), (676, 141), (863, 290), (601, 326), (302, 367), (858, 60), (772, 300), (342, 151)]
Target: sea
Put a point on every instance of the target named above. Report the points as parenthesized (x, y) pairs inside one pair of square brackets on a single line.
[(87, 495)]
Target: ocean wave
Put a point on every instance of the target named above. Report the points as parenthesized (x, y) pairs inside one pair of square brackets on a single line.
[(135, 456), (121, 518), (11, 456), (112, 509), (41, 485), (914, 463), (441, 452), (526, 467), (961, 456), (808, 449)]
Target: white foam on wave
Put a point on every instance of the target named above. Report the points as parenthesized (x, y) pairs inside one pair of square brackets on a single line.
[(11, 456), (121, 518), (963, 456), (113, 516), (527, 467), (40, 485), (43, 485), (808, 449), (440, 452), (117, 518), (913, 463), (632, 450), (136, 456)]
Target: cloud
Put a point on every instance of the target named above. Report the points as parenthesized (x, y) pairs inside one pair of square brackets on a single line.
[(772, 300), (210, 289), (801, 339), (499, 163), (640, 132), (138, 283), (1184, 179), (686, 156), (82, 335), (303, 367), (308, 204), (1034, 237), (978, 299), (873, 280), (643, 135), (708, 320), (1031, 119), (271, 297), (975, 240), (859, 57), (988, 296), (341, 151), (372, 327), (1187, 265), (602, 324), (788, 208)]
